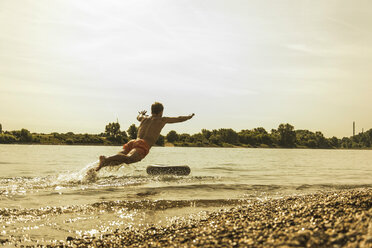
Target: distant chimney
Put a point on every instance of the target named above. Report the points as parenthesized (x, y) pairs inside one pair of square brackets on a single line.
[(353, 128)]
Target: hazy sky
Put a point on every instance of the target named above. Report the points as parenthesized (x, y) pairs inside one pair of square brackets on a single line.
[(75, 65)]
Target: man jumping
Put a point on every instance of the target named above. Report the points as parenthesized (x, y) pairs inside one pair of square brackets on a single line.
[(148, 133)]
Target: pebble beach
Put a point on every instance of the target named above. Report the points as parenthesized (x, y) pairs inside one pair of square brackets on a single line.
[(329, 219)]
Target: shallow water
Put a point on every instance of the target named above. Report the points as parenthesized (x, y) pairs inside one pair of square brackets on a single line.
[(44, 194)]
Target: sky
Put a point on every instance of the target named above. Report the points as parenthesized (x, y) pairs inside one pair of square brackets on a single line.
[(76, 65)]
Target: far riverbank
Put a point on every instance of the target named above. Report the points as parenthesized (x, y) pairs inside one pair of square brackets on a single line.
[(283, 137), (185, 146)]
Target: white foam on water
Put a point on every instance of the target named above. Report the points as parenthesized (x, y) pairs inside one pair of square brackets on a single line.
[(86, 174), (116, 171)]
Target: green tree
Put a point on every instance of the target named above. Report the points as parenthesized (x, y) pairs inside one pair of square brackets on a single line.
[(172, 136), (215, 139), (275, 136), (199, 139), (368, 136), (206, 133), (346, 142), (228, 136), (261, 136), (363, 139), (113, 134), (321, 140), (260, 130), (132, 131), (334, 142), (185, 137), (160, 141), (6, 138), (311, 143), (287, 135), (112, 129), (245, 137), (306, 138), (1, 128), (25, 136)]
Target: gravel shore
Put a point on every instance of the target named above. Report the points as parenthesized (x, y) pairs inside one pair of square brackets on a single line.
[(332, 219)]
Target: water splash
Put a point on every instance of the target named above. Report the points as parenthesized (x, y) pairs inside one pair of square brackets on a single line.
[(91, 176), (85, 175), (88, 174)]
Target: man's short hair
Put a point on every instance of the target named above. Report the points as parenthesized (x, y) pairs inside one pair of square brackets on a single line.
[(156, 108)]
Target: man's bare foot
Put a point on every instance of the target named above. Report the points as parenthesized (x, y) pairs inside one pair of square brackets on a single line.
[(102, 160)]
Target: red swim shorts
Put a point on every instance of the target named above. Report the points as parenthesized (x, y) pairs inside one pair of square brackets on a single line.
[(139, 144)]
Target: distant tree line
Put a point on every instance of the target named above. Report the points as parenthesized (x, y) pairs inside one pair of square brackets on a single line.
[(284, 136), (112, 136)]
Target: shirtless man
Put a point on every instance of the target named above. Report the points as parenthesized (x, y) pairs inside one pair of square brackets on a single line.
[(148, 133)]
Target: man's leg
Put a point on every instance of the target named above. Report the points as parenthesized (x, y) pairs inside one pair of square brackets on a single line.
[(133, 156)]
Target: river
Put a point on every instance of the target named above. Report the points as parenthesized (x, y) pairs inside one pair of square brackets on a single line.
[(44, 194)]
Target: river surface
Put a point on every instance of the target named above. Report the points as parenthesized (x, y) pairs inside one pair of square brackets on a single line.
[(46, 196)]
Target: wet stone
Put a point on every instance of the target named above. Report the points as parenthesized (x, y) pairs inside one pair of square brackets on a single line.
[(333, 219)]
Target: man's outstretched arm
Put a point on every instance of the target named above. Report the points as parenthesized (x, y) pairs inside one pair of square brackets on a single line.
[(178, 119)]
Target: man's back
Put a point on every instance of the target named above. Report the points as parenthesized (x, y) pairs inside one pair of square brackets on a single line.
[(151, 126), (150, 129)]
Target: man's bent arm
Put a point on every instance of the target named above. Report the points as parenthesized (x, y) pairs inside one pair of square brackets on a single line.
[(178, 119), (141, 115)]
